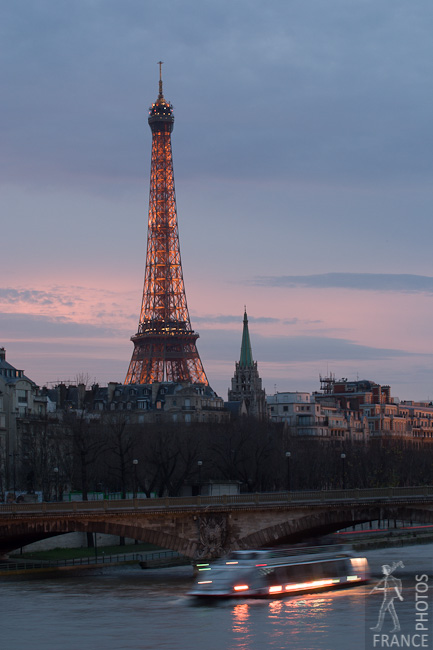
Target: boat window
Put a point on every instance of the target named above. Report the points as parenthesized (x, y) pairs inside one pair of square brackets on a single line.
[(292, 573), (308, 572), (318, 570), (298, 573), (269, 575), (244, 555), (329, 570), (334, 568)]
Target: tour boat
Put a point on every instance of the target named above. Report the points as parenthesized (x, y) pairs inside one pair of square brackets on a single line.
[(276, 572)]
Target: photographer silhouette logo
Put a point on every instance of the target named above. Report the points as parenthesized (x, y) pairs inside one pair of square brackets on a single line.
[(391, 588), (414, 613)]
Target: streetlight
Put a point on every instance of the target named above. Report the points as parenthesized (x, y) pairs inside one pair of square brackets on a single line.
[(56, 474), (199, 463), (14, 455), (288, 456), (343, 473), (135, 463)]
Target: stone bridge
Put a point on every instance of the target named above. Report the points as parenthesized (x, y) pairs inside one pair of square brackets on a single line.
[(206, 527)]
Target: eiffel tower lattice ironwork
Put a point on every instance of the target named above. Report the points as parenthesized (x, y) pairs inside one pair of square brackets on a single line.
[(165, 344)]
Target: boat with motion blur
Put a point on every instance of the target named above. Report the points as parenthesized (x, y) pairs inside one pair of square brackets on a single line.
[(277, 572)]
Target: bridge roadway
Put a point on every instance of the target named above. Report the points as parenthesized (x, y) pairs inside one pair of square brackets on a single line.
[(209, 526)]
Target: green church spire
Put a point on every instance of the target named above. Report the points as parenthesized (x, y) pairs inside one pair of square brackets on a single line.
[(246, 360)]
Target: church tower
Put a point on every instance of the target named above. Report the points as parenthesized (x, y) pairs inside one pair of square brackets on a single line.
[(246, 383)]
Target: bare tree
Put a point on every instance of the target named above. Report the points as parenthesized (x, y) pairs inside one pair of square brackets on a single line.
[(88, 443), (120, 441), (167, 455), (45, 446)]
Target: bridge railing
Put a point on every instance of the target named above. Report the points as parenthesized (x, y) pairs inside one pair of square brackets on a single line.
[(150, 558), (245, 499)]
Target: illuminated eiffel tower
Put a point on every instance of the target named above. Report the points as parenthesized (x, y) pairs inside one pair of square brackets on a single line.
[(165, 344)]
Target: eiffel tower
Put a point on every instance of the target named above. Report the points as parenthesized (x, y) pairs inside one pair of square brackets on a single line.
[(165, 343)]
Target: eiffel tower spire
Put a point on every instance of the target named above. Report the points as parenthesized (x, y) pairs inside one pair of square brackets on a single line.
[(165, 344)]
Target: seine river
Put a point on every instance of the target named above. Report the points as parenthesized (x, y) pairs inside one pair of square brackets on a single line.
[(133, 609)]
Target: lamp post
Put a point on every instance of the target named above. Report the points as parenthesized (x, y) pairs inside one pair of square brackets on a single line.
[(135, 463), (14, 455), (199, 463), (343, 473), (56, 475), (288, 457)]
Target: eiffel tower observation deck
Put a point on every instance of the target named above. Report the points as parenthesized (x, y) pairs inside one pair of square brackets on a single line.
[(165, 343)]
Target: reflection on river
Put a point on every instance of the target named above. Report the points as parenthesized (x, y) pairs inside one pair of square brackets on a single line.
[(130, 609)]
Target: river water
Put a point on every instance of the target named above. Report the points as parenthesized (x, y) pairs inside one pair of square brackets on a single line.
[(126, 608)]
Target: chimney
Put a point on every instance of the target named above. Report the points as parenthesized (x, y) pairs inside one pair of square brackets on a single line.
[(155, 388), (110, 392)]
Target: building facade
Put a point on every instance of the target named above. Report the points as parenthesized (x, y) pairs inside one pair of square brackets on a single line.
[(308, 418), (357, 411), (145, 403), (20, 405)]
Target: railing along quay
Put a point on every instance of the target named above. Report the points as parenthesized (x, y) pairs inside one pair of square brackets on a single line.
[(227, 500), (100, 558)]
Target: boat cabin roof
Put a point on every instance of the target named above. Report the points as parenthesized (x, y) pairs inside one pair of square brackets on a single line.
[(295, 555)]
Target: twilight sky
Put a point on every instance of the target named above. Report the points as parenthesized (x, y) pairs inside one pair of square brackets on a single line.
[(303, 159)]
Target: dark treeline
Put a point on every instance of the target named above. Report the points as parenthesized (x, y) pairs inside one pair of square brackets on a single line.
[(97, 454)]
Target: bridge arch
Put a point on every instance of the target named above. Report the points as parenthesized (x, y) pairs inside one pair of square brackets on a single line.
[(22, 533), (326, 521)]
